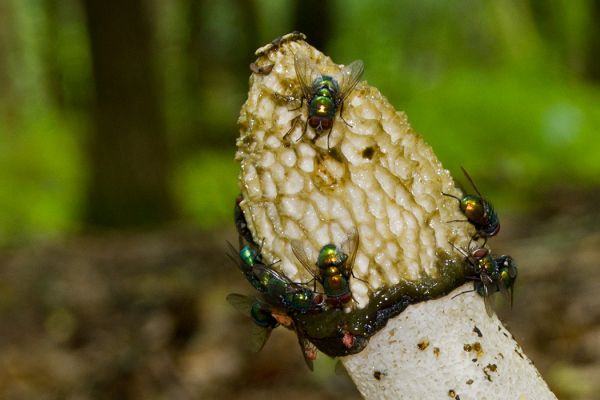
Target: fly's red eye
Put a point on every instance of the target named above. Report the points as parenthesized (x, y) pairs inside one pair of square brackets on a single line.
[(314, 122), (480, 253), (327, 124)]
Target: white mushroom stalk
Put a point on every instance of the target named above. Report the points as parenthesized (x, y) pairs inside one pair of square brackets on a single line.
[(373, 175)]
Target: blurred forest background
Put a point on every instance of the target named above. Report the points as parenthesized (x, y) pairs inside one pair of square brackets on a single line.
[(117, 179)]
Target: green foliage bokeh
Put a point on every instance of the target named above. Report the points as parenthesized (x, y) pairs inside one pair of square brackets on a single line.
[(497, 87)]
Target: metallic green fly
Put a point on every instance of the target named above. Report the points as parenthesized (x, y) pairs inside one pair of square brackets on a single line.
[(324, 94), (492, 275), (334, 267), (478, 211)]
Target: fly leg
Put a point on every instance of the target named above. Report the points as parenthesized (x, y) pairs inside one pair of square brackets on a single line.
[(328, 136), (289, 99), (454, 197), (342, 115), (362, 280), (476, 238), (293, 124)]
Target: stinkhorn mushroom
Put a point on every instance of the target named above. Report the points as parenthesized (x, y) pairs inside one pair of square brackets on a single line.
[(405, 333)]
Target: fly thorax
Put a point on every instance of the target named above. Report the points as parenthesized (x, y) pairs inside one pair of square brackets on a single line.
[(328, 255), (277, 287), (328, 83), (266, 281), (322, 105), (248, 255), (472, 206), (301, 300)]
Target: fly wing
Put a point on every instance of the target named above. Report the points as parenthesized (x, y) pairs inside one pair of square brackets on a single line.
[(309, 351), (306, 72), (507, 292), (489, 305), (487, 291), (300, 253), (234, 256), (350, 76), (258, 337), (275, 285), (349, 247), (512, 270), (261, 271), (232, 249), (513, 274), (240, 302), (504, 290)]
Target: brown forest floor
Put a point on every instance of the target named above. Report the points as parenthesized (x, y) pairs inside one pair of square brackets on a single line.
[(132, 316)]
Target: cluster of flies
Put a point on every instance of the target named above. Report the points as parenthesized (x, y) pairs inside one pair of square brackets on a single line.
[(280, 300), (490, 274)]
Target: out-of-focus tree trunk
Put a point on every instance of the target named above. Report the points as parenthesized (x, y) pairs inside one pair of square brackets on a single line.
[(54, 73), (592, 59), (249, 41), (9, 99), (215, 61), (129, 182), (63, 57), (313, 18), (197, 54)]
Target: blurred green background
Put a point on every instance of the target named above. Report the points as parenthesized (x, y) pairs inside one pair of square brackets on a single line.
[(508, 89), (119, 118)]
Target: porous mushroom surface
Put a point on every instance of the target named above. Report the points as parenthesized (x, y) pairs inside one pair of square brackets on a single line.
[(377, 177)]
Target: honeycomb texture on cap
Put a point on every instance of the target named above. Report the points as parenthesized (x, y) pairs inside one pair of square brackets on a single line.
[(378, 177)]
